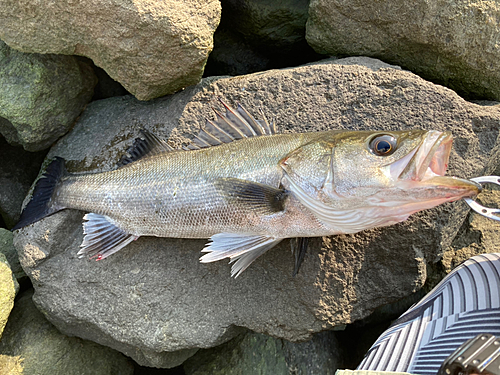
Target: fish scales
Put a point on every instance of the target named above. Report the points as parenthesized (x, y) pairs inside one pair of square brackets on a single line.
[(173, 194), (247, 188)]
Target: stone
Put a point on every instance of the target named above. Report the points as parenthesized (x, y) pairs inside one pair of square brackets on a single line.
[(151, 48), (41, 96), (7, 248), (257, 35), (155, 302), (31, 341), (275, 25), (255, 353), (8, 290), (18, 169), (454, 43), (233, 56), (478, 235)]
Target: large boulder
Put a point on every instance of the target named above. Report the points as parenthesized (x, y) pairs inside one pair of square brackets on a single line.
[(152, 48), (452, 42), (41, 96), (18, 169), (256, 35), (275, 25), (255, 353), (155, 301), (35, 345), (9, 251), (8, 290)]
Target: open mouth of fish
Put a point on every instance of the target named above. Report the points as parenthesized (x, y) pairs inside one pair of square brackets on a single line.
[(426, 165)]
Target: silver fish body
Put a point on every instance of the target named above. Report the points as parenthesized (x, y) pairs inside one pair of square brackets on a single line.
[(246, 188), (179, 194)]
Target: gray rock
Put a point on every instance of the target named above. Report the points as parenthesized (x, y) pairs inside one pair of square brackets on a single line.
[(18, 169), (255, 353), (233, 56), (153, 300), (257, 35), (41, 96), (7, 248), (151, 48), (275, 25), (454, 43), (30, 339), (8, 290)]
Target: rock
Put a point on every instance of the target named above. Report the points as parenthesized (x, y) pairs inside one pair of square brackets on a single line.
[(278, 25), (41, 96), (151, 48), (233, 56), (255, 353), (256, 35), (42, 350), (106, 86), (478, 235), (7, 248), (18, 169), (153, 300), (454, 43), (11, 365), (8, 290)]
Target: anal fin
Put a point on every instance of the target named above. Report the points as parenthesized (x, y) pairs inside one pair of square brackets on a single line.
[(240, 248), (102, 237)]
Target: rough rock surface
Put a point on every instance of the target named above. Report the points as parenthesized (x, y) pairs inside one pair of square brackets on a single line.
[(255, 353), (42, 350), (18, 169), (41, 95), (151, 48), (451, 42), (257, 35), (278, 25), (8, 289), (154, 297), (7, 248)]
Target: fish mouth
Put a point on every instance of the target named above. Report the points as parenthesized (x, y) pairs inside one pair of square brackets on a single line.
[(426, 165)]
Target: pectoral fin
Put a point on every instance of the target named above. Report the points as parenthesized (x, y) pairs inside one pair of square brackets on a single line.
[(263, 199), (102, 237), (240, 248)]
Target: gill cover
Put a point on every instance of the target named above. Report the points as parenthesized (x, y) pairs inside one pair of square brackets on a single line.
[(308, 176), (309, 167)]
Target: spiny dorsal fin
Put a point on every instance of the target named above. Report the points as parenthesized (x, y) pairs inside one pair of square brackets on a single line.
[(234, 124), (148, 145), (102, 237)]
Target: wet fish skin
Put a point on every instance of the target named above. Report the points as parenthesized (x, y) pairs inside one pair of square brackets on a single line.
[(249, 193)]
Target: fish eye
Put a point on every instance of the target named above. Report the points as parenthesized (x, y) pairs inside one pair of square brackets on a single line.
[(383, 145)]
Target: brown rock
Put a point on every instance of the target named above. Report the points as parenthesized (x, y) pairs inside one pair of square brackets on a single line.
[(152, 48), (451, 42)]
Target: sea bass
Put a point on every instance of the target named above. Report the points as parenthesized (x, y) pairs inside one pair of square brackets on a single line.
[(247, 188)]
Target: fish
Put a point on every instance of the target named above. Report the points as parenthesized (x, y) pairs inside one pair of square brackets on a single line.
[(246, 187)]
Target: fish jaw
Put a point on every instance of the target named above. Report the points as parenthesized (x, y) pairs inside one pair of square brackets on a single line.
[(423, 171)]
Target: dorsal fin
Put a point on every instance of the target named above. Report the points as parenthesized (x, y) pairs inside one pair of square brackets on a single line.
[(149, 144), (234, 124)]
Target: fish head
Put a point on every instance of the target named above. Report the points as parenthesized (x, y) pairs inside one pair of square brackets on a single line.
[(385, 175)]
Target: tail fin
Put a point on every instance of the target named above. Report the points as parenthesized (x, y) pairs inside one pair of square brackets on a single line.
[(40, 204)]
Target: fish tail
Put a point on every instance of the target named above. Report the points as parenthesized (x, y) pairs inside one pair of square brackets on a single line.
[(41, 203)]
